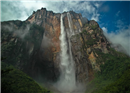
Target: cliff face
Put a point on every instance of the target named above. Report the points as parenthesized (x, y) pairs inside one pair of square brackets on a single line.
[(87, 36), (21, 47), (38, 52)]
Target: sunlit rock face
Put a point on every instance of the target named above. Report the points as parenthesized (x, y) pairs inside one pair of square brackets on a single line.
[(51, 23), (43, 58), (84, 57)]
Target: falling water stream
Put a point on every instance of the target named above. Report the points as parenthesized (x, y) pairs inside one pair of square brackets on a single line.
[(67, 80)]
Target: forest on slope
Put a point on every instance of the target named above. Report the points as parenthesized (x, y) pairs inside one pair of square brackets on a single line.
[(15, 81), (114, 76)]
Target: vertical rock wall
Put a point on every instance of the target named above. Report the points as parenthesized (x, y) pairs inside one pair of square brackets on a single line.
[(86, 39)]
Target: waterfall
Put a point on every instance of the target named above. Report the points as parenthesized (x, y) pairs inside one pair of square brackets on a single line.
[(67, 80), (70, 24)]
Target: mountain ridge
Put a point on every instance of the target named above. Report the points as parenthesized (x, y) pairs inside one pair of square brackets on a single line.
[(34, 45), (52, 33)]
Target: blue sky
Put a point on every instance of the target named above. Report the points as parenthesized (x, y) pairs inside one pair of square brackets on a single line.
[(109, 14), (117, 13), (112, 16)]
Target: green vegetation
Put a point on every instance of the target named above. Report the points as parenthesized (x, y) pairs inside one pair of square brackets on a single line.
[(16, 51), (86, 25), (85, 32), (122, 85), (35, 35), (15, 81), (114, 76), (9, 51), (91, 41), (94, 27)]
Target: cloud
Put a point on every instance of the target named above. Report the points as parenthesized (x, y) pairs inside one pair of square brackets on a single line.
[(21, 32), (13, 10), (121, 38), (117, 14), (95, 16), (120, 24), (46, 42), (104, 8), (104, 29), (18, 10)]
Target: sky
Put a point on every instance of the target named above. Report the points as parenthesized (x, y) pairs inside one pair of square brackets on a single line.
[(112, 16)]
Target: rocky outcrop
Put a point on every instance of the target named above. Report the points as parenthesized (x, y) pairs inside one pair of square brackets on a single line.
[(39, 52), (21, 46), (50, 42), (84, 44)]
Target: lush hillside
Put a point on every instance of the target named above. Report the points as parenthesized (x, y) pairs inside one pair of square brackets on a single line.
[(114, 76), (15, 81), (121, 85)]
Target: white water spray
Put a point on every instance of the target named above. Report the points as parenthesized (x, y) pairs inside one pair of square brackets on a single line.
[(70, 24), (67, 80)]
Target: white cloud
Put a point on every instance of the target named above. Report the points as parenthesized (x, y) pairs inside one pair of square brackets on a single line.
[(21, 32), (25, 8), (121, 38), (97, 5), (120, 24), (95, 16), (104, 8), (117, 14), (104, 29)]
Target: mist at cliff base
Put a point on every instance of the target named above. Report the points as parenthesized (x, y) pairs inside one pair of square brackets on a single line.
[(67, 80)]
